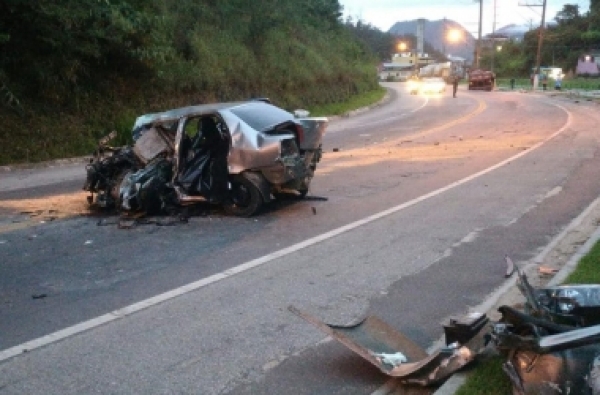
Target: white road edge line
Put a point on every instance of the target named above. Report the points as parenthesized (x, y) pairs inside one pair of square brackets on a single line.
[(155, 300)]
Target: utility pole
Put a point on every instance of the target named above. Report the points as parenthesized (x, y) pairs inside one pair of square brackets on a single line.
[(538, 57), (493, 38), (540, 40), (478, 46), (444, 38)]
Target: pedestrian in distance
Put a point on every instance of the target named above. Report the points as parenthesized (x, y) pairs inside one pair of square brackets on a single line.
[(454, 86), (544, 81), (558, 83), (512, 84)]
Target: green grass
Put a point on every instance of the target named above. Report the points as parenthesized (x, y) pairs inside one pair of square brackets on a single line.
[(488, 377), (587, 271), (575, 83), (357, 101), (51, 136)]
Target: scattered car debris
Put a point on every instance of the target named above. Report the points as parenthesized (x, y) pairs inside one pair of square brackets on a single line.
[(88, 242), (336, 150), (551, 346), (237, 155), (126, 223), (39, 296), (383, 346), (547, 270), (510, 266), (314, 210), (106, 222), (391, 359)]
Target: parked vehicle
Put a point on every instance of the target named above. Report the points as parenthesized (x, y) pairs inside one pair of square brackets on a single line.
[(481, 80), (236, 154)]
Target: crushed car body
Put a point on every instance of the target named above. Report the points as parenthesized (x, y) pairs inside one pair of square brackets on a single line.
[(237, 154)]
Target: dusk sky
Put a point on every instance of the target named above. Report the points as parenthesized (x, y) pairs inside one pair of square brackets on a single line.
[(384, 13)]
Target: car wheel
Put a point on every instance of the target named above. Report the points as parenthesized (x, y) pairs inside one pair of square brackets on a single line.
[(246, 199)]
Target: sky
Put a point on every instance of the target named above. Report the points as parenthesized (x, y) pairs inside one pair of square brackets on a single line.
[(384, 13)]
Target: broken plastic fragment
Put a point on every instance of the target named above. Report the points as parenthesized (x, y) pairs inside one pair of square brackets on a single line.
[(547, 270), (391, 359), (510, 266), (88, 242)]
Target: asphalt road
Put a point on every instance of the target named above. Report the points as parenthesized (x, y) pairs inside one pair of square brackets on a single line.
[(409, 217)]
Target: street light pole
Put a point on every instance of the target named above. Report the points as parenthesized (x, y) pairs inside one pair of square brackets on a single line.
[(540, 39), (478, 46), (493, 39)]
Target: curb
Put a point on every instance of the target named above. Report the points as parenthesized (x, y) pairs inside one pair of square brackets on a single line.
[(46, 164), (386, 98), (452, 385)]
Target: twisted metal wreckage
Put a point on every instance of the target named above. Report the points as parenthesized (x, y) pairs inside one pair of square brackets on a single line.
[(551, 347), (238, 154)]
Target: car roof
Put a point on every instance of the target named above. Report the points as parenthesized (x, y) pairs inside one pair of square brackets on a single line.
[(177, 113)]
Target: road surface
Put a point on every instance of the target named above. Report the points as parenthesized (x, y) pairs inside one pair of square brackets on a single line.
[(410, 214)]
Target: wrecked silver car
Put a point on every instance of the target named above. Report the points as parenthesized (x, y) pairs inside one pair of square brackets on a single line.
[(237, 154)]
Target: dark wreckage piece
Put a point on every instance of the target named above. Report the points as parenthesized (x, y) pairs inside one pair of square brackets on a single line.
[(547, 358), (553, 346), (398, 356)]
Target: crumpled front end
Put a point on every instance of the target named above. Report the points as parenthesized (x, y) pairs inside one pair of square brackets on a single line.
[(134, 177), (105, 173)]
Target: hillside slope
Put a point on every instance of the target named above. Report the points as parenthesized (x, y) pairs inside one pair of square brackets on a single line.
[(73, 70)]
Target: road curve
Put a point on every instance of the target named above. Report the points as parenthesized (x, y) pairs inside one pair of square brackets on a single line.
[(424, 198)]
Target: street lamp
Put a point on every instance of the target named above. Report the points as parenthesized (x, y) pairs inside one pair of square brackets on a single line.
[(402, 46), (454, 35)]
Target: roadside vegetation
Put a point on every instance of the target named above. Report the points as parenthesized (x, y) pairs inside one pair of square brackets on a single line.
[(487, 377), (575, 83), (72, 71), (572, 36)]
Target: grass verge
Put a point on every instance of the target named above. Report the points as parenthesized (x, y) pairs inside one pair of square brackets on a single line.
[(488, 378), (357, 101), (575, 83)]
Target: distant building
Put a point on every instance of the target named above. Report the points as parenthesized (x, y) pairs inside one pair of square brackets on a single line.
[(589, 64), (404, 65)]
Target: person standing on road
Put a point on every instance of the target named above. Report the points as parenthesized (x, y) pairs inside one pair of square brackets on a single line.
[(544, 81), (454, 86), (558, 82)]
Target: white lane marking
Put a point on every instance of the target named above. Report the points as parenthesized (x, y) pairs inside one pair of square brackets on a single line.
[(384, 120), (155, 300), (422, 107)]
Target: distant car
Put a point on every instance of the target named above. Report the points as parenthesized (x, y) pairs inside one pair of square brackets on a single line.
[(414, 85), (234, 154), (432, 85)]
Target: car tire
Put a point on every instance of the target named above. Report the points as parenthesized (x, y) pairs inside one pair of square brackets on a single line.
[(246, 200)]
